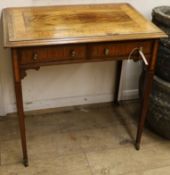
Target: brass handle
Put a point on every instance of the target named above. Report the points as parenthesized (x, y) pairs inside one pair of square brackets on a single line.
[(106, 51), (73, 53), (35, 56)]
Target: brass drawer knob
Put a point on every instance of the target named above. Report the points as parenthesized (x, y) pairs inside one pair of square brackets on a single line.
[(35, 56), (106, 52), (73, 53)]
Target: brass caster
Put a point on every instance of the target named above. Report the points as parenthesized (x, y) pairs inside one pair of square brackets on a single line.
[(137, 146), (25, 162)]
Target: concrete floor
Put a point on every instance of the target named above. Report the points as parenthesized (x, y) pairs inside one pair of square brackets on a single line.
[(87, 140)]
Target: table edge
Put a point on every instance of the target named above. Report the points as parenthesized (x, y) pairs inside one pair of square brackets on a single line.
[(76, 40)]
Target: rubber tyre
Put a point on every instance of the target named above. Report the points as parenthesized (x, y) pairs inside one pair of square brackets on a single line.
[(161, 15), (159, 108), (165, 42), (163, 63)]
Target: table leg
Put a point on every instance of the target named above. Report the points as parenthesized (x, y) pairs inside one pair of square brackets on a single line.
[(117, 81), (19, 103), (144, 107), (147, 89)]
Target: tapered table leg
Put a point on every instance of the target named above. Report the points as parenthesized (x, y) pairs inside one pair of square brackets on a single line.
[(147, 89), (117, 81), (19, 103), (144, 107)]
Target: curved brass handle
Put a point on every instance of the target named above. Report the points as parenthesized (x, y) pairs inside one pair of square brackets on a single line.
[(106, 51), (73, 53), (35, 56)]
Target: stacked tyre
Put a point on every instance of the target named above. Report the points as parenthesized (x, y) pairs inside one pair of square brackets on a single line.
[(161, 17), (159, 109)]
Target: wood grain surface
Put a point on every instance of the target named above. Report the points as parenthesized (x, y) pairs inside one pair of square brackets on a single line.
[(35, 26)]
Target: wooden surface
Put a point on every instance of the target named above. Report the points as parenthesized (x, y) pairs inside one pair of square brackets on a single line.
[(46, 55), (35, 26), (81, 33)]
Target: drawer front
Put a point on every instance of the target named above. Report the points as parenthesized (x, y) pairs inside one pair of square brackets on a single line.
[(121, 49), (51, 53)]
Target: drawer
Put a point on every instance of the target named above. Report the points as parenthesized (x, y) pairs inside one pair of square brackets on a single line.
[(120, 49), (51, 53)]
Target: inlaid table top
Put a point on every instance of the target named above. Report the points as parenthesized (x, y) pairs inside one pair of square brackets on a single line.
[(34, 26)]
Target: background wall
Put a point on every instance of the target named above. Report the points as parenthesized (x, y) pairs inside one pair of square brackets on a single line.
[(66, 85)]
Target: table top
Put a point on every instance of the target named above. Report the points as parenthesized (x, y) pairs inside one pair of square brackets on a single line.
[(52, 25)]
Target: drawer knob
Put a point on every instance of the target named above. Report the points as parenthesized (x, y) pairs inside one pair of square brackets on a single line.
[(106, 51), (73, 53), (35, 56)]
